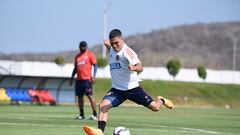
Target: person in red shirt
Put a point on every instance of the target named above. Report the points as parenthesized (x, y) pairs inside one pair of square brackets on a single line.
[(84, 61)]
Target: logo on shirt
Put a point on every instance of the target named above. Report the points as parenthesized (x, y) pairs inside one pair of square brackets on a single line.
[(116, 65), (81, 62)]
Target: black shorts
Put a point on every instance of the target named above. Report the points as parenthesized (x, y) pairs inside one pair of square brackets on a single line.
[(83, 87), (137, 95)]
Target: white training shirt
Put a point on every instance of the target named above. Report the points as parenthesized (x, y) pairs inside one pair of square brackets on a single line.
[(122, 77)]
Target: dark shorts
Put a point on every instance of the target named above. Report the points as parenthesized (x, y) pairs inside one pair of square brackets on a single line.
[(137, 95), (83, 87)]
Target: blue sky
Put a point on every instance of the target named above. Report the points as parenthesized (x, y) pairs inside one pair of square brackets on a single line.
[(59, 25)]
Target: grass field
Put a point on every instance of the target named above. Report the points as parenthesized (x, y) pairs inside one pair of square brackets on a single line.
[(58, 120)]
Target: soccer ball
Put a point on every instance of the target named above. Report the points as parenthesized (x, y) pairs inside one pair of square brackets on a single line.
[(121, 131)]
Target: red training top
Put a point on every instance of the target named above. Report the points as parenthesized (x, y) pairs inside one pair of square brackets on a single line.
[(83, 64)]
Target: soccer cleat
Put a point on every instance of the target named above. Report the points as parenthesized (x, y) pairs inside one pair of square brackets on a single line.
[(93, 117), (79, 117), (167, 103), (92, 131)]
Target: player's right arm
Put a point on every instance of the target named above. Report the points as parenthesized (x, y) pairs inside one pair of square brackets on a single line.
[(73, 74), (107, 44)]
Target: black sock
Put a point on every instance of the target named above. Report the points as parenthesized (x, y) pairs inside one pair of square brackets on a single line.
[(81, 112), (163, 101), (102, 125), (95, 113)]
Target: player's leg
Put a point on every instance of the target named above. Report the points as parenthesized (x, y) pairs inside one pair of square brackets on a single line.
[(113, 99), (93, 105), (89, 94), (166, 102), (104, 106), (79, 92), (81, 105), (140, 96), (155, 105)]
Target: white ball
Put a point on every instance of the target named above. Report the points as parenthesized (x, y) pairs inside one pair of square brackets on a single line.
[(121, 131)]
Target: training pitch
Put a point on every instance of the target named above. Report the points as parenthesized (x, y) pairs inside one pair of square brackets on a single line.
[(59, 120)]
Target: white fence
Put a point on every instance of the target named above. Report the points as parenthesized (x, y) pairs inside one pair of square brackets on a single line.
[(153, 73)]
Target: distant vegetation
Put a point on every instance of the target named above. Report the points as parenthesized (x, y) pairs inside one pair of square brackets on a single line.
[(59, 60), (210, 45), (173, 67), (102, 62), (202, 73)]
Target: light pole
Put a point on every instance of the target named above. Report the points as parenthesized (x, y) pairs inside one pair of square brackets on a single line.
[(234, 57), (234, 42), (105, 27)]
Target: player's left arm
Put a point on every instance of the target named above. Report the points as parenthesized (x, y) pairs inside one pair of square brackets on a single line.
[(95, 67), (136, 67), (93, 60), (134, 63)]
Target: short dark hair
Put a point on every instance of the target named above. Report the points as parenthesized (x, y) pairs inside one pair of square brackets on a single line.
[(82, 43), (115, 33)]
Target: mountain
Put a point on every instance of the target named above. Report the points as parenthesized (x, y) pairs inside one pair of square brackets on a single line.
[(208, 44)]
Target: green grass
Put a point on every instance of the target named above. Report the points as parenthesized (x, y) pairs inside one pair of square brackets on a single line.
[(184, 93), (58, 120)]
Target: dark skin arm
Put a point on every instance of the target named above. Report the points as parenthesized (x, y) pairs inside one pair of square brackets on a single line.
[(73, 74)]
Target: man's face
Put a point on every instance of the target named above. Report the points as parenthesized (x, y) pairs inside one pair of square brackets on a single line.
[(82, 48), (117, 43)]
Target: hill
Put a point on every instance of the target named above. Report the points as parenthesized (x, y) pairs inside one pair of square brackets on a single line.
[(208, 44)]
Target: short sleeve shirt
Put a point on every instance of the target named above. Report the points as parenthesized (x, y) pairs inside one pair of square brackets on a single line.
[(83, 64), (122, 77)]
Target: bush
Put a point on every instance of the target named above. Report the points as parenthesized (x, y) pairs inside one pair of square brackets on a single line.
[(173, 67), (102, 62), (59, 60), (202, 73)]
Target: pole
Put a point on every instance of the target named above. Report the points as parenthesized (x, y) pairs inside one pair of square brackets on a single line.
[(234, 57), (105, 19)]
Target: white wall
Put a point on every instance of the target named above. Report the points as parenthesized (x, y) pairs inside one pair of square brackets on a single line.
[(153, 73)]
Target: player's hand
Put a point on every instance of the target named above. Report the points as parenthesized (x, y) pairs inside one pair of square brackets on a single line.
[(137, 67), (107, 43), (131, 67), (93, 80), (71, 82)]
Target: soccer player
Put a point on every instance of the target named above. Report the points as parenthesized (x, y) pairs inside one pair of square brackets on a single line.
[(124, 66), (83, 84)]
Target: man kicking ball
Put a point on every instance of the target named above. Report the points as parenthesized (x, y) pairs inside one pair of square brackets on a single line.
[(124, 66)]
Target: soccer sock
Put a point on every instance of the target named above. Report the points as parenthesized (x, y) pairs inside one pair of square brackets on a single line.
[(81, 112), (163, 101), (95, 113), (102, 125)]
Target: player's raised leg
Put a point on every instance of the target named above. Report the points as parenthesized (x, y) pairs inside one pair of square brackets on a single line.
[(166, 102), (156, 104)]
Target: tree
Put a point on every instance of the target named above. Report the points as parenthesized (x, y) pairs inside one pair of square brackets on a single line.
[(59, 60), (102, 62), (202, 73), (173, 67)]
